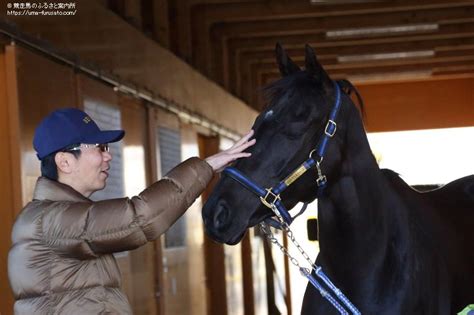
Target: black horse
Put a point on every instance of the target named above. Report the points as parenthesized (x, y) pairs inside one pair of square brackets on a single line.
[(389, 248)]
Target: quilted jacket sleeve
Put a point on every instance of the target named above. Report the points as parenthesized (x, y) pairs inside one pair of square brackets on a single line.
[(116, 225)]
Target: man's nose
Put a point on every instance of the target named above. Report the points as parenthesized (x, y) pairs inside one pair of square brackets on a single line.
[(107, 156)]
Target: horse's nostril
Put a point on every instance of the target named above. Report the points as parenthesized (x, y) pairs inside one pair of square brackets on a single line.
[(221, 216)]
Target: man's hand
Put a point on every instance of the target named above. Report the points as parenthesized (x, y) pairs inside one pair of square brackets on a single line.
[(220, 160)]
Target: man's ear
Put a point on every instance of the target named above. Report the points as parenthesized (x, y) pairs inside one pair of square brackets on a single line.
[(64, 162)]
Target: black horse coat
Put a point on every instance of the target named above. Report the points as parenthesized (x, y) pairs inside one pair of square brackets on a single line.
[(389, 248)]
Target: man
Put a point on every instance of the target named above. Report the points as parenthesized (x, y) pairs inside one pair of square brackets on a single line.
[(61, 260)]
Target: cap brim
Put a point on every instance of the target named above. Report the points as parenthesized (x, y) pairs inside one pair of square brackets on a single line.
[(104, 136)]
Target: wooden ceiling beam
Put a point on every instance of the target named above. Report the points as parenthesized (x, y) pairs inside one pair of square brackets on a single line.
[(385, 66), (325, 23), (181, 24), (323, 46), (404, 44), (251, 11), (230, 41), (260, 74), (315, 35), (465, 48), (459, 41), (374, 45), (468, 72), (242, 75), (443, 51), (462, 69), (224, 69), (398, 13)]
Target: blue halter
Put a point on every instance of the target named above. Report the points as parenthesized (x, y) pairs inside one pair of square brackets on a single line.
[(270, 197)]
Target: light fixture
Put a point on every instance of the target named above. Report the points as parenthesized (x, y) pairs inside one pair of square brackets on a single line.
[(385, 56), (367, 31)]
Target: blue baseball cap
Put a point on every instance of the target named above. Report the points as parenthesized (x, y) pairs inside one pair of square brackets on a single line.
[(68, 126)]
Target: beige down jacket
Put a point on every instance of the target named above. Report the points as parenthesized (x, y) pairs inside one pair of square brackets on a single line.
[(61, 260)]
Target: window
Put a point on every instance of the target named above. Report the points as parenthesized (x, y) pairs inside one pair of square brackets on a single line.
[(109, 118), (170, 156)]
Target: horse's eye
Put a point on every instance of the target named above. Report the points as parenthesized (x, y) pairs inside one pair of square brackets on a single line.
[(294, 130)]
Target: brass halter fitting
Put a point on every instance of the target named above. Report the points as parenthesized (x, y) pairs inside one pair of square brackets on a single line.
[(270, 204)]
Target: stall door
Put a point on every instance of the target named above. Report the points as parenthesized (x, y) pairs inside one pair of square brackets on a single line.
[(175, 270)]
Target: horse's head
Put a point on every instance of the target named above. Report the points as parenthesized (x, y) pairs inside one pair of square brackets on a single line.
[(286, 132)]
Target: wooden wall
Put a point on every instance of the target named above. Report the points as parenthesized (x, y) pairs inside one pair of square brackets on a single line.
[(43, 85), (137, 266), (140, 268), (215, 264), (9, 169), (195, 259), (30, 87), (26, 95), (95, 34), (437, 103)]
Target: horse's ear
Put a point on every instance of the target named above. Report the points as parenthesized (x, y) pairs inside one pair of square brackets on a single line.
[(313, 66), (286, 65)]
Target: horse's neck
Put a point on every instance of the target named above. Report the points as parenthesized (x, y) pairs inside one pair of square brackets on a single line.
[(359, 215)]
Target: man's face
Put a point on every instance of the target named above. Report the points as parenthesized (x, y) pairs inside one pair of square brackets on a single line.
[(90, 169)]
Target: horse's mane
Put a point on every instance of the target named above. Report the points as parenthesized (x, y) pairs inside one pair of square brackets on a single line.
[(348, 88)]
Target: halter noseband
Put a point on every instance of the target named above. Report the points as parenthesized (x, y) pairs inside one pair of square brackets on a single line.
[(270, 197)]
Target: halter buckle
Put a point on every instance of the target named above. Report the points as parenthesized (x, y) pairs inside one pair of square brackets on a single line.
[(330, 129), (271, 194)]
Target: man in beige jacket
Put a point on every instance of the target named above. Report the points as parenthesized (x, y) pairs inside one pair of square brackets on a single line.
[(61, 260)]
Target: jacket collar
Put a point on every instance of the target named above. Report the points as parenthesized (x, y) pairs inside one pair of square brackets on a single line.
[(47, 189)]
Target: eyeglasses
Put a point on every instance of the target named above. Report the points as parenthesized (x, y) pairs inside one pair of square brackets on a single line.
[(104, 147)]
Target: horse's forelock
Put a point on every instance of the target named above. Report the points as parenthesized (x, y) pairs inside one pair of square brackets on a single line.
[(299, 87)]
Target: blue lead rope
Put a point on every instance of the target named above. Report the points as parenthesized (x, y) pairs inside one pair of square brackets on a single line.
[(319, 272), (325, 294)]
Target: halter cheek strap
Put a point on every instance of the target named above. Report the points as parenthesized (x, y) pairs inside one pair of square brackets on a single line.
[(270, 197)]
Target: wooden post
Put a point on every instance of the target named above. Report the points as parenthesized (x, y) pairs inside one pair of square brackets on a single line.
[(214, 252)]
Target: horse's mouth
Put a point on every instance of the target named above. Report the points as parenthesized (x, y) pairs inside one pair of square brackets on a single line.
[(236, 239), (224, 238), (257, 219)]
